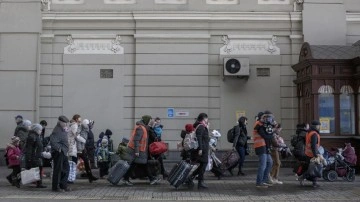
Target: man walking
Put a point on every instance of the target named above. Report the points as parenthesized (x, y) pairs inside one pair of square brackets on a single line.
[(59, 150)]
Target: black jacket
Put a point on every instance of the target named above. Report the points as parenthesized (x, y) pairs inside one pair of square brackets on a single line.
[(33, 150), (202, 135), (240, 136), (90, 142)]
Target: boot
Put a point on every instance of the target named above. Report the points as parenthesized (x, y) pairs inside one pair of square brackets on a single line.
[(189, 181), (201, 185), (240, 172), (10, 180), (92, 178)]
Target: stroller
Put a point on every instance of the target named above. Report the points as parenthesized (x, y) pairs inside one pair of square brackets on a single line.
[(340, 164)]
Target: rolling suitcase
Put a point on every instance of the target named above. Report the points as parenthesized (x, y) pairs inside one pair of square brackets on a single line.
[(118, 171), (229, 160), (179, 173)]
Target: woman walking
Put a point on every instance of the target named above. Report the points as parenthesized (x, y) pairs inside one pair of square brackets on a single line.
[(202, 153)]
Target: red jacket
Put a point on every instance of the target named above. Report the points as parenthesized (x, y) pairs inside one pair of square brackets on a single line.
[(13, 154)]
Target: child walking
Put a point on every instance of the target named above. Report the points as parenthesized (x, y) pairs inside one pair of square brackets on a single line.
[(13, 153), (103, 156)]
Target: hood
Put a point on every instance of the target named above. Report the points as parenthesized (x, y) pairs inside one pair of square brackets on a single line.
[(140, 123), (101, 135), (215, 133)]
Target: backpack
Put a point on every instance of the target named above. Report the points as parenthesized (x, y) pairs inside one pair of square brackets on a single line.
[(231, 135), (190, 141), (298, 143)]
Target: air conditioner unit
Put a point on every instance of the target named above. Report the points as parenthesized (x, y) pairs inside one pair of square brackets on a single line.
[(236, 67)]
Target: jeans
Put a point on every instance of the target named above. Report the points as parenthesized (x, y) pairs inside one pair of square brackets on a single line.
[(241, 151), (265, 164)]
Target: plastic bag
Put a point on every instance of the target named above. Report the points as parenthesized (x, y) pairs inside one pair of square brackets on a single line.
[(30, 176), (209, 165)]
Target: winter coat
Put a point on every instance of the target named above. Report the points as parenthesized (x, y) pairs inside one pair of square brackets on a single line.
[(72, 134), (202, 135), (143, 156), (103, 154), (33, 150), (13, 155), (240, 136), (80, 141), (59, 140), (22, 132), (90, 142)]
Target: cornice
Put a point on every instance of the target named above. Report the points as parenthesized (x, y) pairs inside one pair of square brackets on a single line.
[(170, 16), (353, 17)]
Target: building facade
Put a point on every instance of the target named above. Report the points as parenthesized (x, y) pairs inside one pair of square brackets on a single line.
[(113, 61)]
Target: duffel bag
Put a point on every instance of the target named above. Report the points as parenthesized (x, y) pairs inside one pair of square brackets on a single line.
[(157, 148)]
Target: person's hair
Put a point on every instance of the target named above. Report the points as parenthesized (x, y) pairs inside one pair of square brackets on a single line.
[(157, 119), (43, 122), (75, 117), (242, 119), (202, 116)]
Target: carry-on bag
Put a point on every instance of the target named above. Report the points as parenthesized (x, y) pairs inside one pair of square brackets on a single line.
[(118, 171)]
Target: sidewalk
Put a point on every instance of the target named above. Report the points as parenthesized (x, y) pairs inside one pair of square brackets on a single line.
[(229, 188)]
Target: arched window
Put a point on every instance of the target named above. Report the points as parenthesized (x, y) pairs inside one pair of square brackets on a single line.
[(347, 110), (326, 109)]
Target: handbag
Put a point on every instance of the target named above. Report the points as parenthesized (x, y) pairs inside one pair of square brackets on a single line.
[(157, 148), (30, 176)]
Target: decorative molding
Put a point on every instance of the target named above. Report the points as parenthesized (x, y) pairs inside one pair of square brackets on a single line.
[(119, 1), (170, 1), (206, 16), (249, 45), (222, 1), (67, 1), (353, 17), (45, 4), (299, 1), (173, 36), (93, 45), (273, 1)]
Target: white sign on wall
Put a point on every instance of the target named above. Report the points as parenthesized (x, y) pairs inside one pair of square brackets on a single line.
[(171, 1), (273, 1), (182, 113), (119, 1)]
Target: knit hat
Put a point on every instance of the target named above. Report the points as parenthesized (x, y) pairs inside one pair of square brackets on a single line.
[(315, 123), (63, 119), (104, 141), (36, 127), (85, 122), (15, 139), (146, 119), (18, 117), (43, 122), (26, 123), (189, 128)]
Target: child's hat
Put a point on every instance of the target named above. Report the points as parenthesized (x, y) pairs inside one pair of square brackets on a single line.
[(15, 139)]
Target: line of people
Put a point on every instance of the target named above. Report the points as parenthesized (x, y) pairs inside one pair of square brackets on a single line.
[(73, 140)]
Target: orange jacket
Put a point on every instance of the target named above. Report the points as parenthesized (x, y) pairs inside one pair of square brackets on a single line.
[(143, 141), (258, 140), (308, 150)]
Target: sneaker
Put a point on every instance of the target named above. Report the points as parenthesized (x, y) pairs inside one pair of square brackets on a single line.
[(262, 186), (269, 184), (276, 181), (127, 182)]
